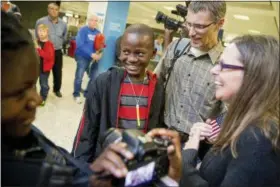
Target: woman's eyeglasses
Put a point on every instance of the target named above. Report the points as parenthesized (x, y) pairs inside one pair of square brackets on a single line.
[(229, 66)]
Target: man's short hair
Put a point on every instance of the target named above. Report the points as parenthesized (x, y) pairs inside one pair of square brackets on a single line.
[(92, 16), (57, 3), (216, 8)]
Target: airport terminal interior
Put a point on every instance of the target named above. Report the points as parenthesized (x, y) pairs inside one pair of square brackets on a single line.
[(60, 117), (140, 93)]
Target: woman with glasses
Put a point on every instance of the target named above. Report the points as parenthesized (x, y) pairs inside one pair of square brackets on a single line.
[(247, 150)]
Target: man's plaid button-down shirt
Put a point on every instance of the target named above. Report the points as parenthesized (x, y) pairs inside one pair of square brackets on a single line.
[(190, 92)]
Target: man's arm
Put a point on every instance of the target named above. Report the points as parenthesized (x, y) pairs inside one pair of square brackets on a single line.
[(65, 32), (168, 37), (163, 64), (81, 40)]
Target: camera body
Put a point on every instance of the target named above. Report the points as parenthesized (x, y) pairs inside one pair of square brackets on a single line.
[(171, 23), (150, 161)]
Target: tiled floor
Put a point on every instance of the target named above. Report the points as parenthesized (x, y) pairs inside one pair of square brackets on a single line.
[(59, 118)]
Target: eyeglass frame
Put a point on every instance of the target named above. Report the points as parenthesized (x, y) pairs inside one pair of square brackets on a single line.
[(229, 66), (197, 26)]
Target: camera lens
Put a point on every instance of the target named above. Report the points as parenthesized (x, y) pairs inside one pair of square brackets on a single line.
[(160, 17)]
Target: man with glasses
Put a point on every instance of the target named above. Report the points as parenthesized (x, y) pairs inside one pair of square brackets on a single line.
[(57, 35), (190, 90)]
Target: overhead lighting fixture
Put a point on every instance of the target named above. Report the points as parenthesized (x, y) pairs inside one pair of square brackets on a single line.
[(254, 31), (76, 16), (242, 17), (169, 8)]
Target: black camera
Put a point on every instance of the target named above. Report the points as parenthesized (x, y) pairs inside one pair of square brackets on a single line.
[(150, 162), (171, 23)]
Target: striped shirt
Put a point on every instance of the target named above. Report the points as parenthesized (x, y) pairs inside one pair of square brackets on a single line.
[(190, 92), (127, 116)]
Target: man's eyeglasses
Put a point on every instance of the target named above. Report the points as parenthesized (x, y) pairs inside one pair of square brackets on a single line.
[(197, 26), (222, 65)]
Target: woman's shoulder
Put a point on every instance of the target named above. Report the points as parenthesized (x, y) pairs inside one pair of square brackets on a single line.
[(253, 138)]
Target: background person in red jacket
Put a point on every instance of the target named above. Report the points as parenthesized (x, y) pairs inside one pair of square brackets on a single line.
[(45, 49)]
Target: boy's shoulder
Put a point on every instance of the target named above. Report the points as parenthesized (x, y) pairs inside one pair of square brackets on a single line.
[(111, 76), (113, 72)]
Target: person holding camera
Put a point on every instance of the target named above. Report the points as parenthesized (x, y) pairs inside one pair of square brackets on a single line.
[(185, 67), (247, 150), (28, 158)]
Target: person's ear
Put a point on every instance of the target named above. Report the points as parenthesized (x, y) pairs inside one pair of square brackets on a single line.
[(221, 23)]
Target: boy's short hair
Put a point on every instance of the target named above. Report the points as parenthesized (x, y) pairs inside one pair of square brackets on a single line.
[(43, 27), (141, 29)]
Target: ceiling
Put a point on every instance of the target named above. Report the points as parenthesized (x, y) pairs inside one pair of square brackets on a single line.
[(263, 16)]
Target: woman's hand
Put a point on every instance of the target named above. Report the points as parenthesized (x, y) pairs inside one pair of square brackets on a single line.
[(204, 128), (199, 131), (174, 151)]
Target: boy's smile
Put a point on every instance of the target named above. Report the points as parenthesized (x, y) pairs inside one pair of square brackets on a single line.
[(136, 52)]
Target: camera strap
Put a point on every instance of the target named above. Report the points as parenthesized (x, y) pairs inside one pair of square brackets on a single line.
[(177, 53)]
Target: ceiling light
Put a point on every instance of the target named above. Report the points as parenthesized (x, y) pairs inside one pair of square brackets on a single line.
[(169, 8), (242, 17), (254, 31)]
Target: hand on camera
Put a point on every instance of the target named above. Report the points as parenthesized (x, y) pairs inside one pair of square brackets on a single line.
[(110, 163), (174, 151), (169, 32)]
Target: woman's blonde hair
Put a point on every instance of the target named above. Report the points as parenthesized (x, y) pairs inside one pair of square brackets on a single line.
[(257, 102)]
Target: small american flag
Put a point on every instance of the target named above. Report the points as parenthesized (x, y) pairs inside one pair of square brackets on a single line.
[(216, 126)]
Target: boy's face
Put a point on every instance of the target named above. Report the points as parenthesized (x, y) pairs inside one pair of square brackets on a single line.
[(136, 52), (19, 96), (43, 34)]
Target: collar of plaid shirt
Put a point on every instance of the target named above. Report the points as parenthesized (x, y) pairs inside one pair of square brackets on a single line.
[(214, 53)]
